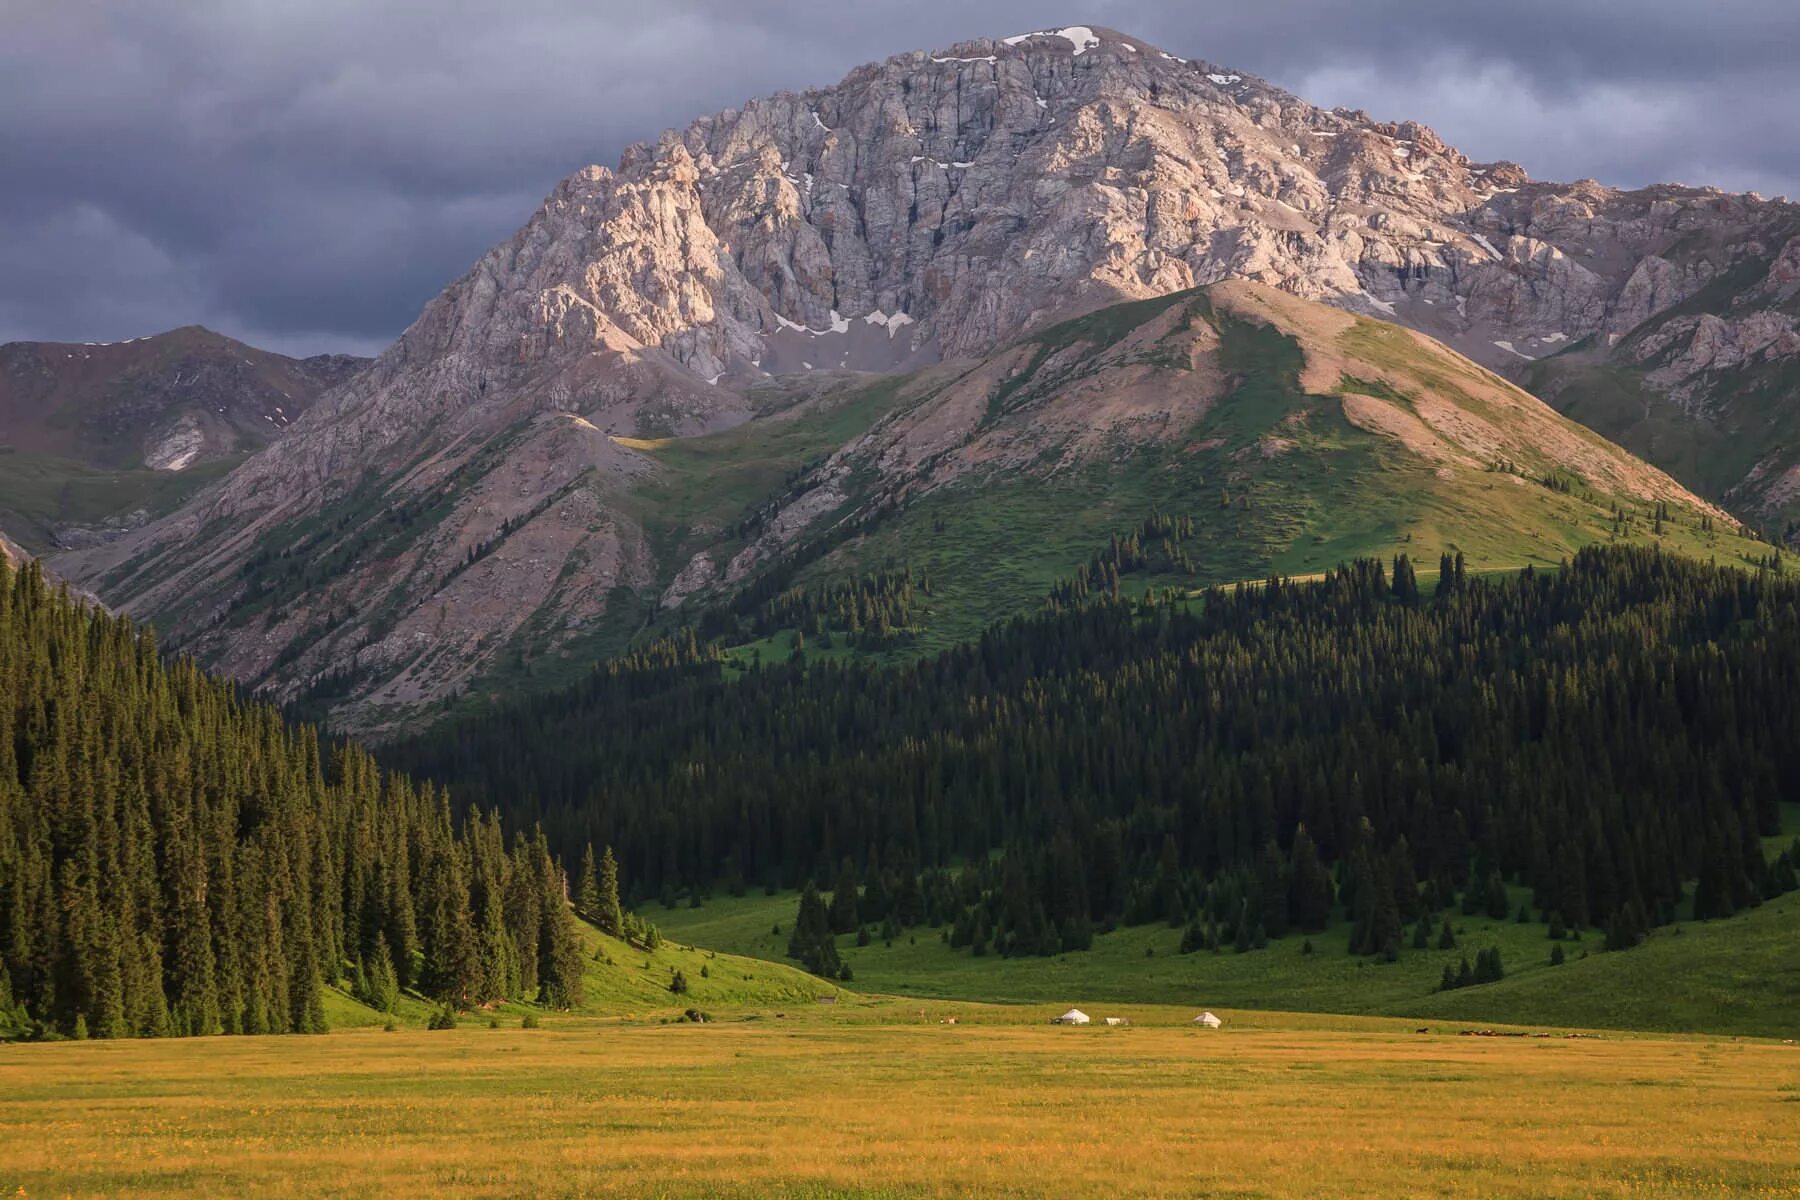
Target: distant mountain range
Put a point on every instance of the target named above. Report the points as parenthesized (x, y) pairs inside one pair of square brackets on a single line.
[(966, 314), (98, 437)]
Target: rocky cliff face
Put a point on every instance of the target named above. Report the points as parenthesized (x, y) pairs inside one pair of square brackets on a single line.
[(984, 190), (1706, 383), (14, 554), (475, 482)]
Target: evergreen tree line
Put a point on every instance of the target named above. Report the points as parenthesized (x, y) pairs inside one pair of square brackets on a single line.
[(870, 609), (1154, 546), (1487, 969), (177, 860), (746, 613), (1032, 904), (1615, 736), (597, 900)]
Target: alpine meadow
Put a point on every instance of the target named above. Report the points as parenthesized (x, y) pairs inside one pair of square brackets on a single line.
[(1048, 619)]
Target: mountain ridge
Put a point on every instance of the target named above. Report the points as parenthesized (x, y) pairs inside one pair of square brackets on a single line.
[(932, 206), (103, 434)]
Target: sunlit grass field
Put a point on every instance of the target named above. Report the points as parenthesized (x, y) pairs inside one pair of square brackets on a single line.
[(883, 1099), (780, 1094)]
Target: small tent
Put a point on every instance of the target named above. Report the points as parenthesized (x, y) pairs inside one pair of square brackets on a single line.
[(1073, 1017), (1117, 1021), (1208, 1020)]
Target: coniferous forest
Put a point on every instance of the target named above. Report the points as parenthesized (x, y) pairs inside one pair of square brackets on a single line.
[(1616, 735), (176, 860)]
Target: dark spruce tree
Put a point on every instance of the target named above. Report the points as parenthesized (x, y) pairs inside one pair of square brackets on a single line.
[(610, 916), (812, 941), (843, 913), (587, 892)]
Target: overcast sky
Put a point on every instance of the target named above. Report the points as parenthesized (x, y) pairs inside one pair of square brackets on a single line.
[(305, 174)]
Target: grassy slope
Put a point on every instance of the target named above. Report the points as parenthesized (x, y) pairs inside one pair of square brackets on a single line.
[(710, 481), (39, 492), (623, 981), (996, 544), (1738, 976), (1614, 399), (706, 484)]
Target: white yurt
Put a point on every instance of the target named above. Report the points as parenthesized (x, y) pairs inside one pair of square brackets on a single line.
[(1208, 1020), (1073, 1017)]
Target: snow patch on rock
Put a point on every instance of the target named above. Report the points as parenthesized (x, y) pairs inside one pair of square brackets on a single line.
[(1485, 245), (892, 323), (177, 447), (1079, 36)]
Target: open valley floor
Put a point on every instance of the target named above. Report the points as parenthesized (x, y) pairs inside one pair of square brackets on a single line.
[(884, 1098)]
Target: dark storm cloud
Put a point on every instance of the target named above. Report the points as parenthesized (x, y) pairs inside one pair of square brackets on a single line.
[(306, 175)]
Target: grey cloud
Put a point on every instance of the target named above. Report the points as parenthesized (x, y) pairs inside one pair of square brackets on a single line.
[(306, 175)]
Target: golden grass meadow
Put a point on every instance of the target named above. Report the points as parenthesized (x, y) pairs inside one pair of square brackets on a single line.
[(872, 1098)]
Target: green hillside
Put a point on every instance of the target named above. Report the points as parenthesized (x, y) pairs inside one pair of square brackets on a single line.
[(42, 492), (623, 980), (1733, 976), (1329, 438)]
